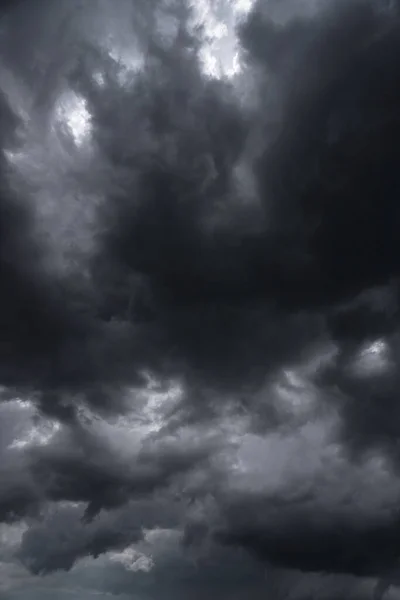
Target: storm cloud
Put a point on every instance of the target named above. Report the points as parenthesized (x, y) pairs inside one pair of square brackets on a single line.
[(199, 308)]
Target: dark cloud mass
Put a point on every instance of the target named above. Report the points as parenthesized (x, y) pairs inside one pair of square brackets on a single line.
[(199, 299)]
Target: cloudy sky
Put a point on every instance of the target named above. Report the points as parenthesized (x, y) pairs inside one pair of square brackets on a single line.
[(199, 299)]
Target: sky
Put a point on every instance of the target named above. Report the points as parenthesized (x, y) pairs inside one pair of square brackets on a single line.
[(199, 307)]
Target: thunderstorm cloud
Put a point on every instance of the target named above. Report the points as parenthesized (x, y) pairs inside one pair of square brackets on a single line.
[(199, 299)]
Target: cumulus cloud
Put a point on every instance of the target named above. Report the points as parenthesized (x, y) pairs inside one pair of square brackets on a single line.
[(199, 335)]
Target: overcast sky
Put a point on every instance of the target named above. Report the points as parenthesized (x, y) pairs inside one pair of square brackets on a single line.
[(199, 299)]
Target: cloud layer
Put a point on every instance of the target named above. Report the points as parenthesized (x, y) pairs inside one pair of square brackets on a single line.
[(199, 269)]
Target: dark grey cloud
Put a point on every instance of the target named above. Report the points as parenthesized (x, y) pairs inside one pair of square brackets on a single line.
[(62, 538), (199, 294)]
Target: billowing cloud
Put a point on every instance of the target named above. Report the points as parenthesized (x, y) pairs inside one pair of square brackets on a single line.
[(199, 335)]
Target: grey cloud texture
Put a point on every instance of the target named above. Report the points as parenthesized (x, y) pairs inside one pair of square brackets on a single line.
[(199, 299)]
